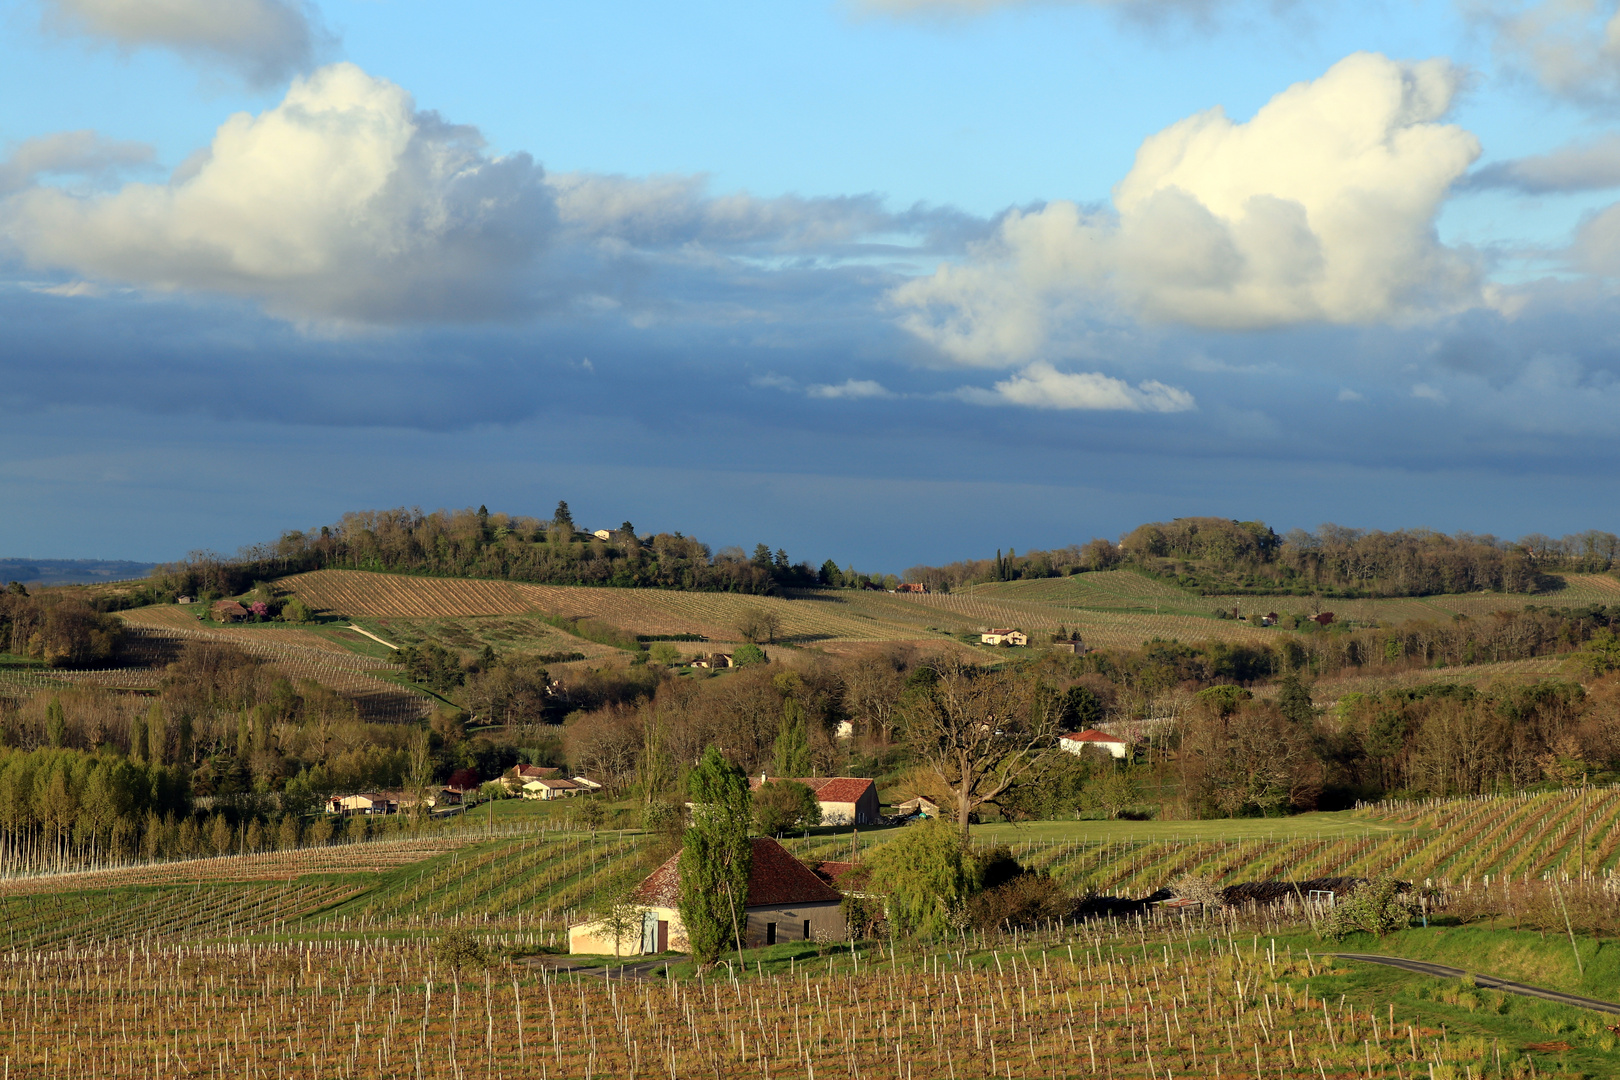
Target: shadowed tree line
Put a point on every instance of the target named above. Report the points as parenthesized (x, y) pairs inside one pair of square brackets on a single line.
[(1218, 555)]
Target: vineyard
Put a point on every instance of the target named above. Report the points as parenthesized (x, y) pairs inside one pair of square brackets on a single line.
[(328, 961), (157, 634), (1446, 841), (1164, 999), (809, 617)]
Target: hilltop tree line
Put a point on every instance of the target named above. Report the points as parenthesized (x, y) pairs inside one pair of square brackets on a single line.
[(477, 543), (1217, 555)]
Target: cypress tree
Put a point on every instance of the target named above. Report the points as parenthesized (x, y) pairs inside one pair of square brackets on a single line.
[(792, 750), (55, 723), (716, 857)]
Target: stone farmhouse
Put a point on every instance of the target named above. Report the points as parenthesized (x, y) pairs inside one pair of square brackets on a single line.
[(786, 902)]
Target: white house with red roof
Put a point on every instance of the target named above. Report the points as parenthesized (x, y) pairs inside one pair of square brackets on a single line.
[(786, 902), (1078, 742), (844, 800)]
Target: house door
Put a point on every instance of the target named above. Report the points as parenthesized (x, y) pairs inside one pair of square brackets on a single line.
[(663, 935), (770, 933), (651, 931), (807, 929)]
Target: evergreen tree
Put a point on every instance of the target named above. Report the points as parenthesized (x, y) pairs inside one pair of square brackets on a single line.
[(55, 723), (563, 519), (791, 757), (137, 739), (716, 857), (157, 735), (1294, 700)]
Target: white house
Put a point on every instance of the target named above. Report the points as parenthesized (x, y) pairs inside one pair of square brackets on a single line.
[(552, 788), (1076, 742), (1010, 637), (367, 802)]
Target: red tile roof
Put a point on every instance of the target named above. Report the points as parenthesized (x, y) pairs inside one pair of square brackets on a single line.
[(776, 878), (837, 789), (843, 789), (1093, 735)]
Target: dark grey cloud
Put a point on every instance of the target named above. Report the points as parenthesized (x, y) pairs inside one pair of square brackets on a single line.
[(87, 155), (264, 41), (1587, 166)]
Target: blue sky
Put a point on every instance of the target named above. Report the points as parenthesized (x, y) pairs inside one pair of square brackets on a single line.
[(887, 281)]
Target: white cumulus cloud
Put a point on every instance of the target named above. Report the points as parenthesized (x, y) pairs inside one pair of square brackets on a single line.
[(850, 388), (1318, 209), (265, 40), (342, 202), (1042, 386)]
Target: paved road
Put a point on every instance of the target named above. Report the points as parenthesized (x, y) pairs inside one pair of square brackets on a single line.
[(1489, 982)]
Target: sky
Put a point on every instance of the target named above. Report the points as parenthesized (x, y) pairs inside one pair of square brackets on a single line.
[(883, 281)]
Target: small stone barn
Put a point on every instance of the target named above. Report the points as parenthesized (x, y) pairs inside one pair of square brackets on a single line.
[(786, 902)]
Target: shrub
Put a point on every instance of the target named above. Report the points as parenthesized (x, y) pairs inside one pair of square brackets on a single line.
[(1375, 907), (460, 950)]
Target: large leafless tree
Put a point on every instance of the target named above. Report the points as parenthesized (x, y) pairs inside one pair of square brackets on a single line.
[(980, 732)]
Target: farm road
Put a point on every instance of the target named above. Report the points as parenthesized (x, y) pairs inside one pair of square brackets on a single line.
[(1488, 982), (631, 972)]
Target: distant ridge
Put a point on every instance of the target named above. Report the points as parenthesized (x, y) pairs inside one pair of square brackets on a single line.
[(70, 571)]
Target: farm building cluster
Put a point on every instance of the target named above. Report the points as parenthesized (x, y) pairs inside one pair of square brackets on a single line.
[(527, 781)]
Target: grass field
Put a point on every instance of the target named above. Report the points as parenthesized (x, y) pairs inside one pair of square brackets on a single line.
[(1124, 590)]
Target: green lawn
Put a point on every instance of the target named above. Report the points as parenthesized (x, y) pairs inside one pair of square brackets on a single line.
[(1525, 956)]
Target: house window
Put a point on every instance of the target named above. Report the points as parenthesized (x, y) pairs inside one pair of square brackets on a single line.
[(770, 933)]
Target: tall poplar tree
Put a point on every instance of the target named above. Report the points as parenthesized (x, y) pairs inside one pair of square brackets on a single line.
[(716, 857)]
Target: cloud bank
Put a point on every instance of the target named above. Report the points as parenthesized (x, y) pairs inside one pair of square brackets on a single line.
[(1319, 209), (264, 40), (343, 202), (1571, 48)]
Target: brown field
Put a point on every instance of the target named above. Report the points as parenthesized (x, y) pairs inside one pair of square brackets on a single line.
[(809, 618)]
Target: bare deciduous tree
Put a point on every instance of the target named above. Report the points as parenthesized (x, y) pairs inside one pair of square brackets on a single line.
[(980, 732)]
